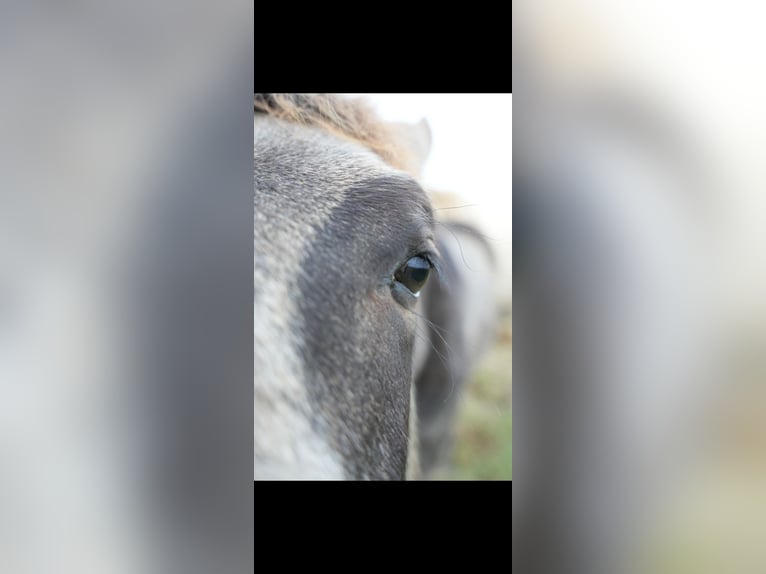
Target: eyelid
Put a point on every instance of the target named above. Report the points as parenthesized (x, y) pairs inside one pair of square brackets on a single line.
[(403, 291), (434, 259)]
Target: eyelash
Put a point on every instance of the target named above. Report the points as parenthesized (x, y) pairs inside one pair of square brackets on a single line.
[(433, 261)]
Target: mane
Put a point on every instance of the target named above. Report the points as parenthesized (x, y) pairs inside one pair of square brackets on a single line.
[(348, 118)]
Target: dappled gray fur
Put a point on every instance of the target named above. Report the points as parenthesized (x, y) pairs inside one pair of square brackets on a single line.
[(333, 349)]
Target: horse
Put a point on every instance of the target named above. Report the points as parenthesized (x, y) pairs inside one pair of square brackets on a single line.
[(360, 301)]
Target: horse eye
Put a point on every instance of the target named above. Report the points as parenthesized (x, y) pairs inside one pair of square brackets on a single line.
[(414, 274)]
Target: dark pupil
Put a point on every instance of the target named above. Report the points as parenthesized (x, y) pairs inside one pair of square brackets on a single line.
[(414, 273)]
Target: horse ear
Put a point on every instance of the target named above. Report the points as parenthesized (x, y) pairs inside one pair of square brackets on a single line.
[(417, 138), (422, 140)]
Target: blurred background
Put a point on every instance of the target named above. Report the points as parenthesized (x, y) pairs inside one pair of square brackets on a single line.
[(640, 221)]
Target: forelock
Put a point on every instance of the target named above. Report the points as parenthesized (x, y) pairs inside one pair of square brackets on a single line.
[(352, 119)]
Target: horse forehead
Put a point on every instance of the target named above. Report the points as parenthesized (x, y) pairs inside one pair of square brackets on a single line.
[(313, 165), (302, 174)]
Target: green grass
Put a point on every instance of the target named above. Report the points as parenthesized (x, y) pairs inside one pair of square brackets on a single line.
[(484, 439)]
